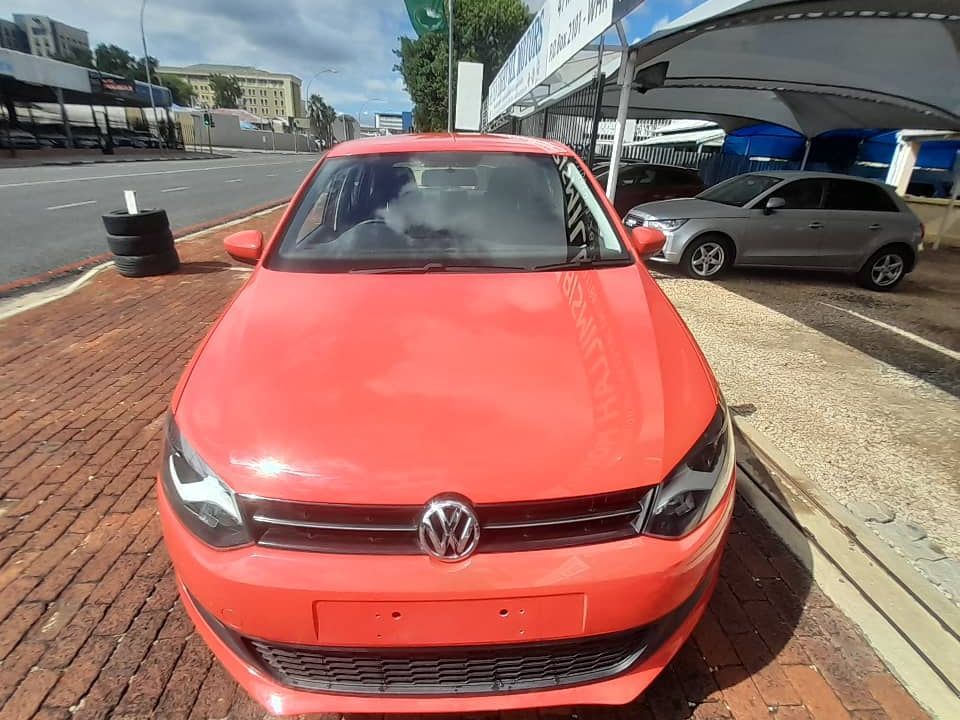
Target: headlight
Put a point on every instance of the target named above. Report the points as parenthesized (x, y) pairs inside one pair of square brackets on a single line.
[(665, 225), (693, 490), (202, 500)]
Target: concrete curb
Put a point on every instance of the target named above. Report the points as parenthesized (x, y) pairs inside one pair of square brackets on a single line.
[(42, 297), (911, 625), (86, 161), (80, 265)]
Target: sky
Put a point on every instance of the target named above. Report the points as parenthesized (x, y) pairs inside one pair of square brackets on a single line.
[(303, 37)]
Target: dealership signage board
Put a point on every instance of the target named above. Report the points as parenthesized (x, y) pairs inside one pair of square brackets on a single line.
[(43, 71), (559, 30), (469, 93)]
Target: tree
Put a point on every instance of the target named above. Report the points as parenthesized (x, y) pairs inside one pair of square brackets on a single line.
[(322, 116), (115, 61), (226, 90), (78, 56), (485, 31), (181, 90), (140, 70)]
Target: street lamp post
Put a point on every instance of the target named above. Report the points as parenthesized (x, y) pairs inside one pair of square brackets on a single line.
[(306, 94), (449, 65), (362, 107), (146, 62), (318, 73)]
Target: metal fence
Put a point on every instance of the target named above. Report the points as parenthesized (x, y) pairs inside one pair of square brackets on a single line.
[(657, 155), (574, 121)]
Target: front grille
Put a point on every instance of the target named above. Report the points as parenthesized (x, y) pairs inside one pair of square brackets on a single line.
[(501, 668), (462, 670), (391, 529)]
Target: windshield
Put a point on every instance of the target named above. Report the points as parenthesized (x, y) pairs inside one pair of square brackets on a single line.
[(440, 211), (740, 190)]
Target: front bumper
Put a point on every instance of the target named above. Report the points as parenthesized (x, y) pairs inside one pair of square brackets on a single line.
[(305, 601)]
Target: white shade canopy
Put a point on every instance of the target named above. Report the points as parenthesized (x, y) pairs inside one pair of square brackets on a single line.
[(808, 66)]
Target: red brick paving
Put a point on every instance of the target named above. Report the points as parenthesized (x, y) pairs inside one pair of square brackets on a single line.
[(90, 625)]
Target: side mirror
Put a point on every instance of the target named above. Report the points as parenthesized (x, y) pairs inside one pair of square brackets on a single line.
[(647, 241), (774, 203), (244, 246)]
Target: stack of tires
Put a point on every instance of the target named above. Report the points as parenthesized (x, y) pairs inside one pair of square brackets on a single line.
[(142, 244)]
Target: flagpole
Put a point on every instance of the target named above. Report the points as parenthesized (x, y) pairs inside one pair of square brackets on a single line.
[(449, 65)]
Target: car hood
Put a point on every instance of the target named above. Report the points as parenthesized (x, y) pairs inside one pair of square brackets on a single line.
[(391, 389), (689, 208)]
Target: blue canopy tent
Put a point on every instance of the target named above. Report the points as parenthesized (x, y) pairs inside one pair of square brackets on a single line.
[(863, 152)]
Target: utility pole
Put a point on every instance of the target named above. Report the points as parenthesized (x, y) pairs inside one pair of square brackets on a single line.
[(449, 65), (146, 63)]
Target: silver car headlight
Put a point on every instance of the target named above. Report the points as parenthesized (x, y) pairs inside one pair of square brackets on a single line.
[(692, 491), (202, 501), (666, 225)]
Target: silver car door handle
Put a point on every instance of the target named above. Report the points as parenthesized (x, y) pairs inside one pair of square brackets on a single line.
[(875, 226), (815, 225)]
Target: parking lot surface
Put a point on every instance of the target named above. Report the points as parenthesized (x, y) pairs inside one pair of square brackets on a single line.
[(860, 389), (90, 623)]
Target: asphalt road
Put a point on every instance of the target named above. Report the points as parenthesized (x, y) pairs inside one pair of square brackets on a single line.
[(50, 216)]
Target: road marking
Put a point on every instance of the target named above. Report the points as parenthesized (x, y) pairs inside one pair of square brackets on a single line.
[(903, 333), (234, 180), (143, 174), (70, 205), (176, 189), (270, 175)]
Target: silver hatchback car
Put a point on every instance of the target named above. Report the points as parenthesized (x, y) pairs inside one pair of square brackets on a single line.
[(817, 221)]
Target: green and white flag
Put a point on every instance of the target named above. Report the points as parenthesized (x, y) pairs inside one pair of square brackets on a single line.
[(427, 16)]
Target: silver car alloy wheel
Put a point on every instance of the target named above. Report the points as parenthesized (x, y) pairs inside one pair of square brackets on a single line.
[(708, 259), (887, 269)]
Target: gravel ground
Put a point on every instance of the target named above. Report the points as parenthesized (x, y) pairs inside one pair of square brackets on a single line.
[(863, 428)]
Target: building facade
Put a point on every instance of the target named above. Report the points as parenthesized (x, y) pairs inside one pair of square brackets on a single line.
[(50, 38), (345, 127), (12, 37), (265, 94), (388, 123)]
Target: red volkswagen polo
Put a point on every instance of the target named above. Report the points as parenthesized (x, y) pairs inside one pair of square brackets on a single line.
[(450, 448)]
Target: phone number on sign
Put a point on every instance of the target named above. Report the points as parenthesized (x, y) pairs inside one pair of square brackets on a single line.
[(565, 36)]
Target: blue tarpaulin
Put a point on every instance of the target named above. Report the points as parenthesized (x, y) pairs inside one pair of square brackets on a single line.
[(864, 153), (837, 148)]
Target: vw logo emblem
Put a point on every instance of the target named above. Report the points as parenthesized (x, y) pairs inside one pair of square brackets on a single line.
[(448, 529)]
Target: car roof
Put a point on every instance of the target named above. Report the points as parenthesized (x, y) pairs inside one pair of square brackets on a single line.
[(795, 174), (640, 164), (448, 142)]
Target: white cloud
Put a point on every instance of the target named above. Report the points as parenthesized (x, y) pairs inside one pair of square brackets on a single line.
[(289, 36), (660, 24)]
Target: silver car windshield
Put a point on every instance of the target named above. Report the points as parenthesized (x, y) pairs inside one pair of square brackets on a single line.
[(740, 190)]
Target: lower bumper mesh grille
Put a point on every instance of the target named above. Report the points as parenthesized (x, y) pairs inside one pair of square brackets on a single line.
[(449, 671), (475, 670)]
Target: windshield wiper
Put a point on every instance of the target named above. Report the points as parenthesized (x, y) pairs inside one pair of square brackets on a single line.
[(586, 263), (438, 267)]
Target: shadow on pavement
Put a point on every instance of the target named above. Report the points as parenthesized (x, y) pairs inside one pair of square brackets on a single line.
[(203, 268), (926, 304), (749, 630)]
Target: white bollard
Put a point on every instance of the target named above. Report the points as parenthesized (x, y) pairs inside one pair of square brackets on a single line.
[(130, 197)]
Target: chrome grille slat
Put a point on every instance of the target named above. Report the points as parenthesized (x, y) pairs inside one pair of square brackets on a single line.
[(392, 530), (332, 526), (561, 521)]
